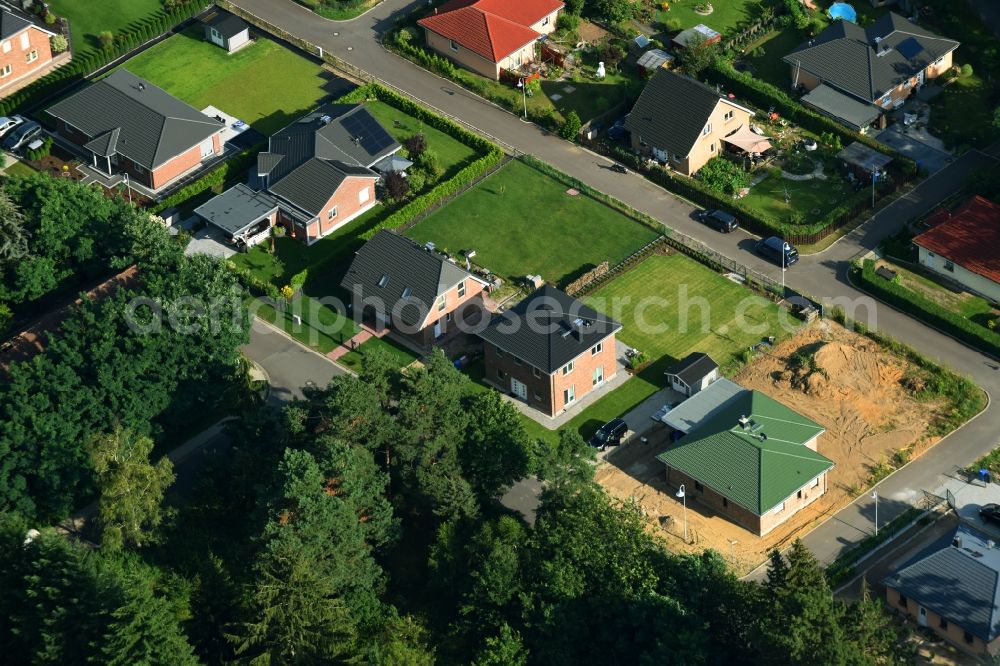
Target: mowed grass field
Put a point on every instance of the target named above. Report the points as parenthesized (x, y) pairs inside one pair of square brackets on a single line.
[(88, 18), (522, 222), (263, 84), (671, 306)]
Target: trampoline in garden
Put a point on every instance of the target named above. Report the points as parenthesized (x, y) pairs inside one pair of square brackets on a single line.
[(842, 10)]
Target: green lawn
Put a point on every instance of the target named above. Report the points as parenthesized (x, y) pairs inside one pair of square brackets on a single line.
[(342, 11), (970, 306), (671, 306), (767, 62), (522, 222), (19, 169), (322, 327), (452, 153), (726, 14), (400, 354), (806, 199), (962, 115), (264, 84), (87, 18)]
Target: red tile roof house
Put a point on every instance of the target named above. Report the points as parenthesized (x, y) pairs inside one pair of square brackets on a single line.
[(419, 294), (25, 53), (964, 246), (488, 36), (126, 125), (550, 350)]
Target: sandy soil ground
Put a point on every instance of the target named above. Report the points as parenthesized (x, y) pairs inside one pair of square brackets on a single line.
[(852, 387)]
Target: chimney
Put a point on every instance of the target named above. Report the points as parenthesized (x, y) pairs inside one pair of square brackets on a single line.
[(142, 86), (743, 422)]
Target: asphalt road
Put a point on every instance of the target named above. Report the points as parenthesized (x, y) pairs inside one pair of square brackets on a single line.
[(822, 275), (290, 366)]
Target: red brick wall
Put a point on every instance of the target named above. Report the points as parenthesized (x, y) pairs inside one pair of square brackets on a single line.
[(550, 388), (174, 167), (473, 288), (346, 201), (17, 57)]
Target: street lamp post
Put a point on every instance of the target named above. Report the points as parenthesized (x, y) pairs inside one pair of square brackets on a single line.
[(683, 497), (875, 497), (732, 555), (524, 95), (783, 246), (128, 187)]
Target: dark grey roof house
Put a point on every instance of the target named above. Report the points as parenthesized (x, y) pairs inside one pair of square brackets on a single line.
[(11, 23), (549, 328), (307, 161), (876, 65), (953, 588), (227, 30), (692, 373), (397, 283), (239, 210), (683, 121), (129, 125)]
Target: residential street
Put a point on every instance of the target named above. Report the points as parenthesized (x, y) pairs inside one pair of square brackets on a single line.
[(822, 276)]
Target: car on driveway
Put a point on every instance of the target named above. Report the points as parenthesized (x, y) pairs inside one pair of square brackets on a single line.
[(777, 250), (7, 123), (719, 220), (610, 434), (617, 131), (990, 513), (661, 412), (21, 135)]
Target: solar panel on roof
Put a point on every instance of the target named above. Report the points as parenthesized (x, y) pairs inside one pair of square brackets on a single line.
[(909, 48), (368, 132)]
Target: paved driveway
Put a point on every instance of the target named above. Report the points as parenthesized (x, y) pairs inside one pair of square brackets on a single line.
[(290, 366), (926, 157)]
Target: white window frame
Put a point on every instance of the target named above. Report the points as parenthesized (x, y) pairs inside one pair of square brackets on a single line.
[(5, 47), (5, 71), (536, 372), (598, 375), (729, 115), (461, 289), (332, 213), (139, 169), (518, 361), (567, 369), (545, 21), (707, 130), (25, 41), (363, 195), (454, 45), (442, 302), (569, 395), (949, 265), (32, 56), (815, 482), (597, 349), (779, 508)]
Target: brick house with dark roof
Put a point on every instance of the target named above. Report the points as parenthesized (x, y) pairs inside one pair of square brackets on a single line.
[(488, 36), (25, 51), (419, 294), (747, 456), (879, 65), (128, 125), (682, 122), (952, 588), (550, 350), (317, 174), (964, 246)]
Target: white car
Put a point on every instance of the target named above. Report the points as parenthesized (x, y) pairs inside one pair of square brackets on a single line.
[(9, 123)]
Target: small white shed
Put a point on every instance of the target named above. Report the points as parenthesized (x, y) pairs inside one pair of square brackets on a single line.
[(228, 31)]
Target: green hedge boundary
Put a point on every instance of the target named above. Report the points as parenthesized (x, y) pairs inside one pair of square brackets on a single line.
[(842, 570), (926, 310), (81, 66)]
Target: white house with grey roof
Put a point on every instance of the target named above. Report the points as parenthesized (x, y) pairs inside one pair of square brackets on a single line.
[(952, 588), (854, 74), (319, 171), (419, 294), (126, 125)]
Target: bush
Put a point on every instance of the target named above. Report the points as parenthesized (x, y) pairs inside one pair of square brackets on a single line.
[(43, 151), (926, 310), (107, 39), (568, 22), (966, 70), (724, 176), (50, 18), (428, 162), (415, 145), (571, 127), (58, 43)]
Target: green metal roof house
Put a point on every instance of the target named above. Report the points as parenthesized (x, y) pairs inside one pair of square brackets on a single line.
[(753, 460)]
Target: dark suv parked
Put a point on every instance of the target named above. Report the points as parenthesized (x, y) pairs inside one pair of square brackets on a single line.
[(777, 250), (719, 220), (609, 434)]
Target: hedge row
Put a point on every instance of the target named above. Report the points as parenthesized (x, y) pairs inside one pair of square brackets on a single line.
[(217, 177), (764, 95), (408, 106), (257, 286), (81, 66), (926, 310)]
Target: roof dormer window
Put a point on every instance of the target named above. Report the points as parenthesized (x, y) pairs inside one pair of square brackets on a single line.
[(384, 281)]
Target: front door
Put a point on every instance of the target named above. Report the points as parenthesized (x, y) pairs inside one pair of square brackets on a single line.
[(437, 329), (518, 389), (922, 617)]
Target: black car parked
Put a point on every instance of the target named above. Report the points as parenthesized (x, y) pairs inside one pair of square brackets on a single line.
[(609, 434), (777, 250), (719, 220), (990, 513)]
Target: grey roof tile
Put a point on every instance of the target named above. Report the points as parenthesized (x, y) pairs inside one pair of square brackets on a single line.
[(672, 111), (847, 56), (237, 208), (693, 367), (549, 328), (153, 125), (228, 25)]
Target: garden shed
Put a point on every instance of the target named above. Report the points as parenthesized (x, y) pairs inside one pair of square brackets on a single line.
[(228, 31), (653, 59)]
